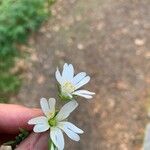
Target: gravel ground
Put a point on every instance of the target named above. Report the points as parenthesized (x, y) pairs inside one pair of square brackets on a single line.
[(109, 39)]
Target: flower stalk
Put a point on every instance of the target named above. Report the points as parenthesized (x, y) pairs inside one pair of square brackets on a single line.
[(55, 121)]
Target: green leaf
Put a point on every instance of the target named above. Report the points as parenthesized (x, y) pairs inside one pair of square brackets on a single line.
[(18, 139)]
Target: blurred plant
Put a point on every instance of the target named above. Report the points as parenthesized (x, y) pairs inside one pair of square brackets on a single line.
[(18, 18), (146, 145)]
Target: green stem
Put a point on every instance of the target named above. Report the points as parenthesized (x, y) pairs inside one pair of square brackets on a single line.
[(51, 145)]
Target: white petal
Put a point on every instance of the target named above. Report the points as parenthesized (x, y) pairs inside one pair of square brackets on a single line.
[(83, 82), (57, 138), (52, 103), (84, 92), (71, 127), (79, 77), (45, 106), (41, 128), (66, 110), (70, 72), (84, 95), (65, 71), (48, 107), (72, 135), (58, 76), (38, 120)]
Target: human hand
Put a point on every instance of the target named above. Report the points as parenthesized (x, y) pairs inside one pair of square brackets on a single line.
[(13, 117)]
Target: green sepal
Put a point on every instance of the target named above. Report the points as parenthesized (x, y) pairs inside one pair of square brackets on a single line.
[(64, 98), (61, 96), (51, 145)]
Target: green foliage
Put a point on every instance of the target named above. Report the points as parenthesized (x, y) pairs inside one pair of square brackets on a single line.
[(9, 82), (18, 18), (6, 83)]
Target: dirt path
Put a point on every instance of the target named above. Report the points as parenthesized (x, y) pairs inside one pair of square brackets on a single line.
[(109, 39)]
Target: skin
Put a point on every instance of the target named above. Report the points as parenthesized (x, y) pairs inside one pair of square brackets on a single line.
[(13, 117)]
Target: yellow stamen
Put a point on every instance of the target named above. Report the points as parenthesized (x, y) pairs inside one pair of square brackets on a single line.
[(68, 87)]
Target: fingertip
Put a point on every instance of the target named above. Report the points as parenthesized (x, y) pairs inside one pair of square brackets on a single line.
[(13, 117)]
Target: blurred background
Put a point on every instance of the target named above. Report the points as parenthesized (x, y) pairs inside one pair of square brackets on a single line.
[(108, 39)]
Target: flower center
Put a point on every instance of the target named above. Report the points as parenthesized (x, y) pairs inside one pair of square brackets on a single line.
[(52, 122), (68, 87)]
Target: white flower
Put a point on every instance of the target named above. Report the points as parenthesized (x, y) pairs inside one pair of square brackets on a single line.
[(55, 121), (70, 83)]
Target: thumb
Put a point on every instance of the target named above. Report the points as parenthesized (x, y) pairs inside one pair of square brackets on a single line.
[(35, 142)]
